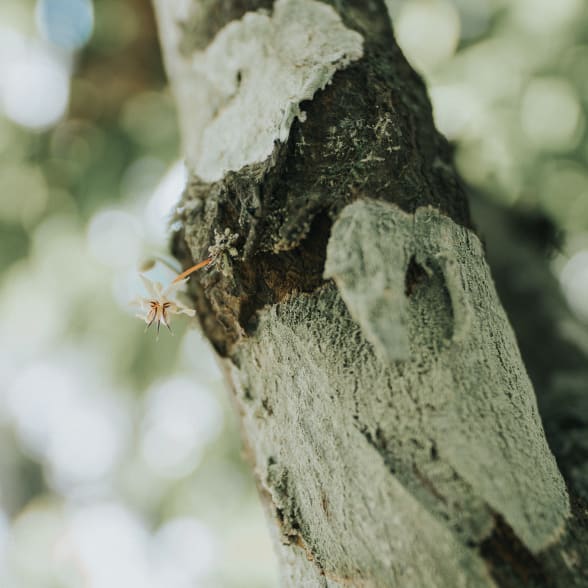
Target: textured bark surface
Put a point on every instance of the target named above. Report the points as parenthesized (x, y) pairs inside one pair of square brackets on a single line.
[(554, 347), (387, 412)]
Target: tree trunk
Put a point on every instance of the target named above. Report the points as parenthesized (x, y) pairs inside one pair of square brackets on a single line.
[(385, 407)]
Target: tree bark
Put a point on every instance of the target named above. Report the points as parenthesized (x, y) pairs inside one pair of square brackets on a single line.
[(385, 407)]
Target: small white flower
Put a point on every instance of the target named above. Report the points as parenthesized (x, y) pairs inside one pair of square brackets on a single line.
[(160, 303)]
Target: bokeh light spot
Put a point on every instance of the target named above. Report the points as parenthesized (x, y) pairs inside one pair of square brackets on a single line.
[(551, 115), (114, 238), (544, 16), (31, 547), (475, 17), (185, 551), (77, 430), (34, 87), (66, 23), (456, 109), (563, 193), (161, 204), (574, 282), (108, 544), (428, 32), (181, 418), (23, 193)]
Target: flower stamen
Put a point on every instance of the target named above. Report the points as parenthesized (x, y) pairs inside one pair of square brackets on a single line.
[(192, 269)]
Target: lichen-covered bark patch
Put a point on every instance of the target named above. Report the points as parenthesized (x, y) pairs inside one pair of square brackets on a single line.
[(368, 258), (261, 67), (335, 499), (425, 452), (473, 397)]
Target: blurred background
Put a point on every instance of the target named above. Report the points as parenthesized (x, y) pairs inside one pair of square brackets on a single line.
[(119, 456)]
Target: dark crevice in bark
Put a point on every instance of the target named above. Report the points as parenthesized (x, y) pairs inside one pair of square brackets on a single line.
[(510, 563), (415, 275), (229, 304), (269, 278), (428, 485), (287, 513)]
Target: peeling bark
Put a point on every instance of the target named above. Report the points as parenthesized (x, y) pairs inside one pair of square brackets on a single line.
[(387, 412)]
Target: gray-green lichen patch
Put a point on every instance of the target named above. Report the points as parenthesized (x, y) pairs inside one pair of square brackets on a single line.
[(386, 471), (260, 68), (340, 509), (475, 401), (368, 258)]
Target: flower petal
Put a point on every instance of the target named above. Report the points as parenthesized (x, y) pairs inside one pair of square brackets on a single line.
[(150, 286), (179, 308), (173, 288), (139, 301)]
